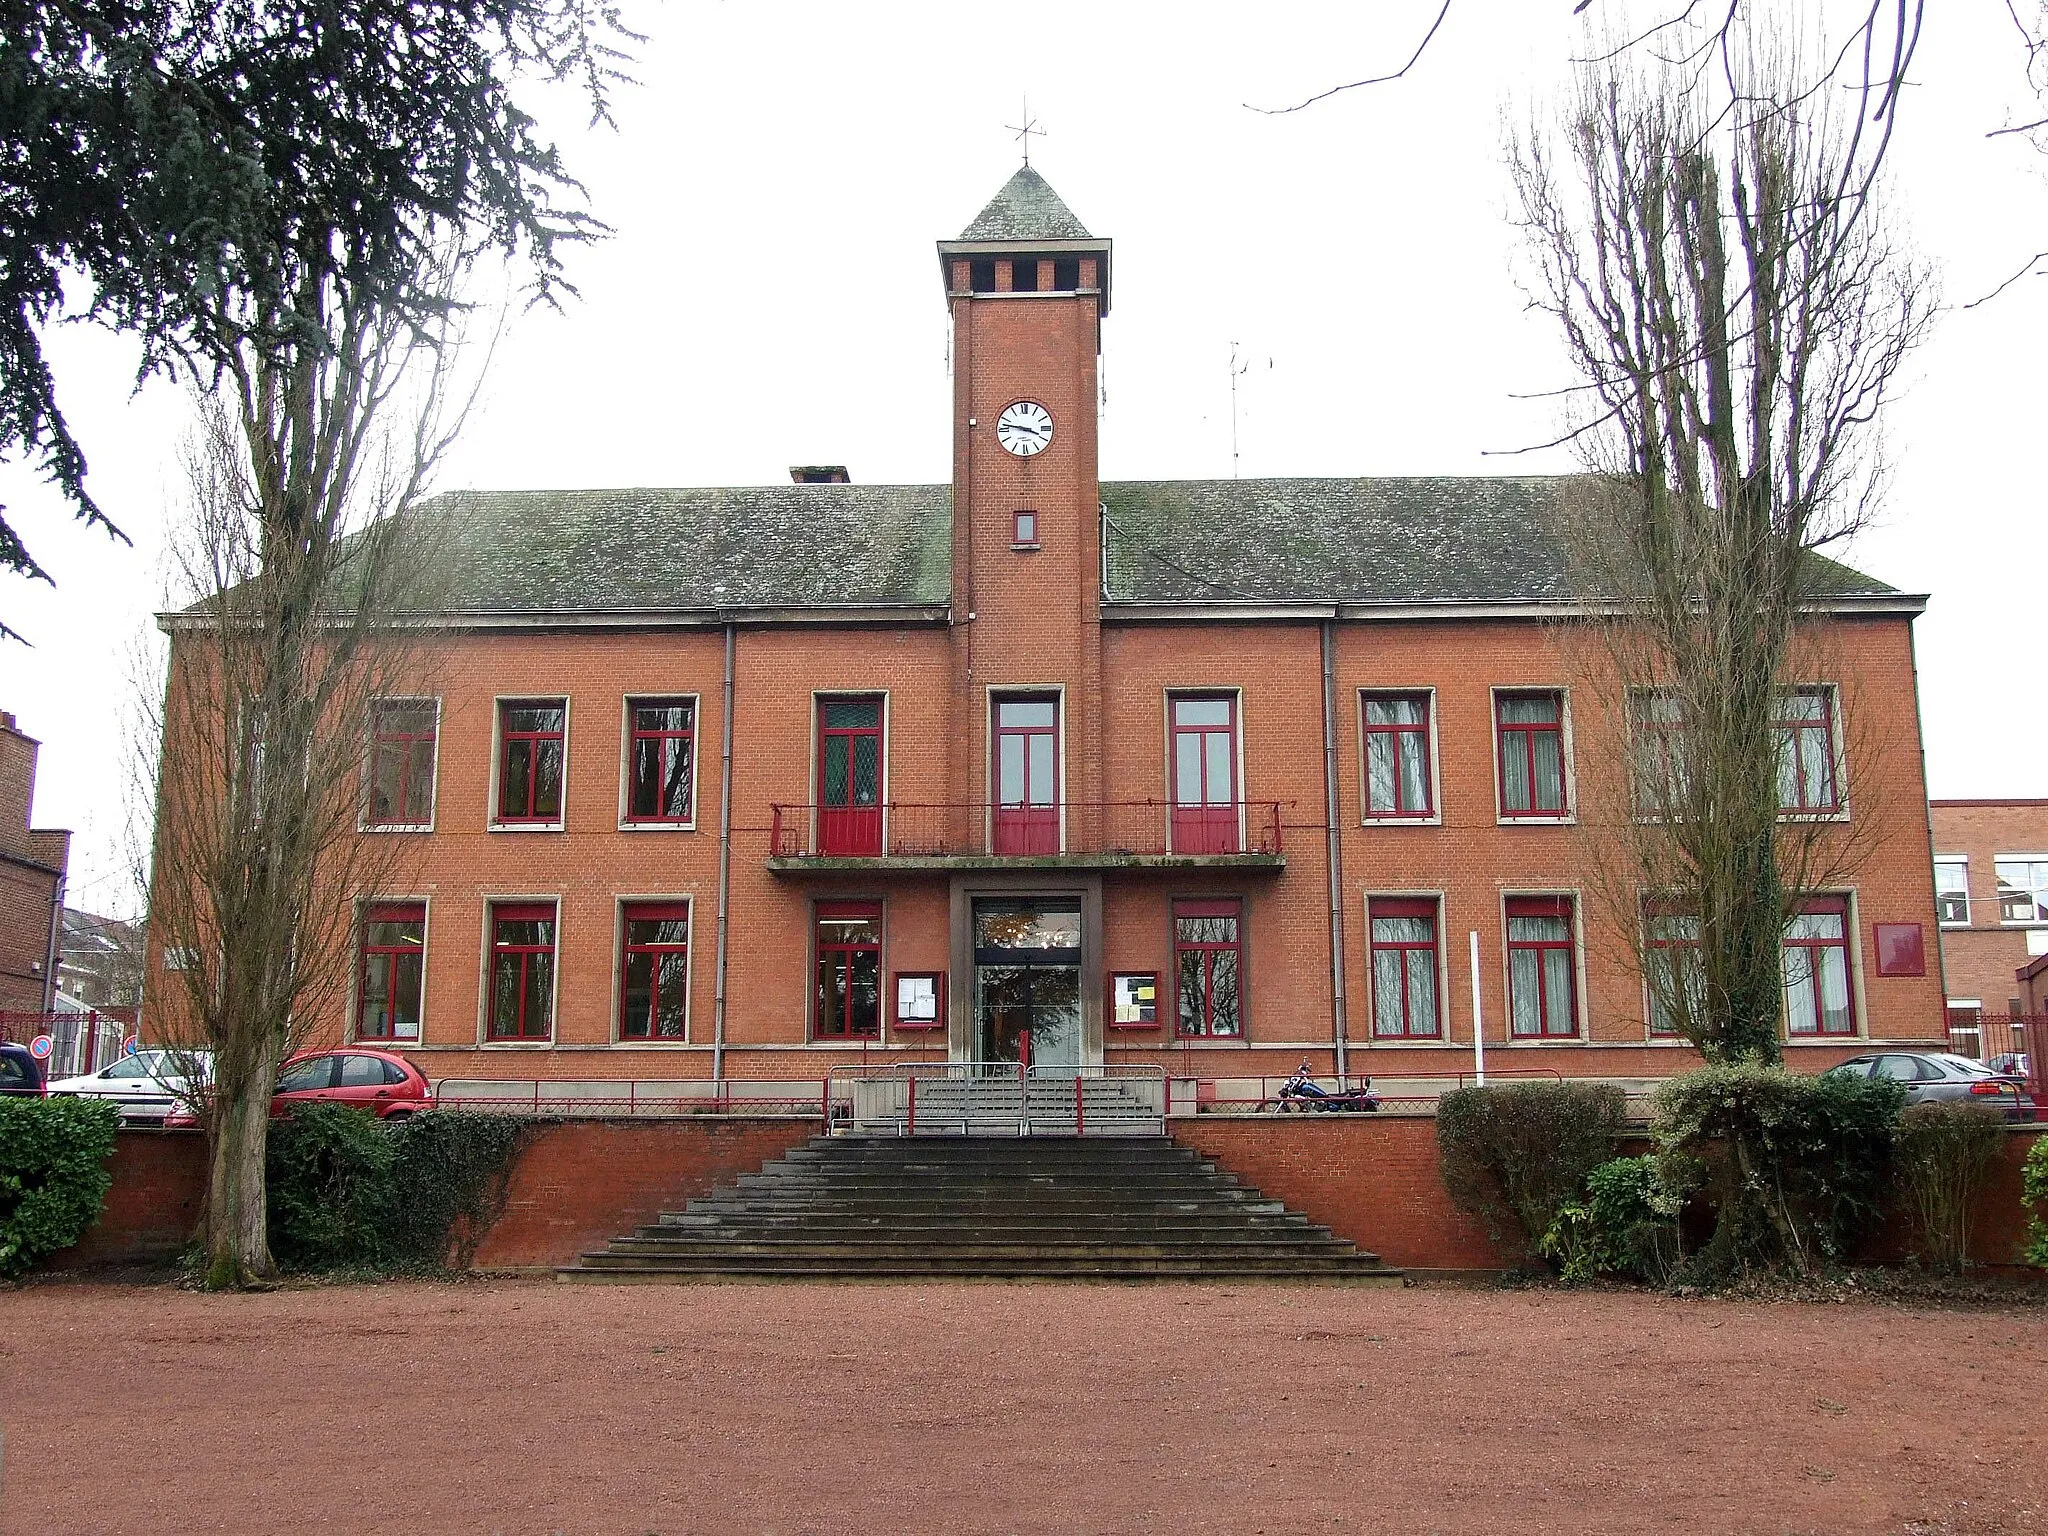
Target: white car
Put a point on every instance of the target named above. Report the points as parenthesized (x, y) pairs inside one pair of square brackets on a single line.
[(145, 1086)]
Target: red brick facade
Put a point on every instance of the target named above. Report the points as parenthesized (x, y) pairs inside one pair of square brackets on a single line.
[(1034, 619), (1981, 950), (32, 867)]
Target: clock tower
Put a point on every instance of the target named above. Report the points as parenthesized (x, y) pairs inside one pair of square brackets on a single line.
[(1028, 287)]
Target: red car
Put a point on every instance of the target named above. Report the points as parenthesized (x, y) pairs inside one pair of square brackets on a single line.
[(376, 1080)]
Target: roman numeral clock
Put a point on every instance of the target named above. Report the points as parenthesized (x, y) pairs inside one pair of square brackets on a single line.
[(1024, 428)]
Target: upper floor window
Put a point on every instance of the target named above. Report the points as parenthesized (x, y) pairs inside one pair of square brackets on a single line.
[(1952, 890), (401, 778), (1027, 773), (654, 981), (1663, 749), (1404, 968), (1542, 986), (1397, 766), (850, 776), (532, 750), (1806, 752), (2022, 889), (1024, 530), (392, 971), (1204, 750), (1816, 966), (522, 996), (1208, 967), (1530, 728), (661, 761)]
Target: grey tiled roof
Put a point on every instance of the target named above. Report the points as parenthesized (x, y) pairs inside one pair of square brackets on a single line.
[(774, 546), (588, 553), (1026, 209)]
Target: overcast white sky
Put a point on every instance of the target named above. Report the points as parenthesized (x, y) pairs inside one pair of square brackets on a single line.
[(771, 297)]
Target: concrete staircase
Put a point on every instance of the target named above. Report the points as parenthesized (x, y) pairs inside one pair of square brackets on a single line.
[(984, 1208)]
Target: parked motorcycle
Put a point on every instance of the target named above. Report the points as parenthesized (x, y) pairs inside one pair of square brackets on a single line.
[(1302, 1092)]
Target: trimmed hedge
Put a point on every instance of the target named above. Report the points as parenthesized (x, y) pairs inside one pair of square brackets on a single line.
[(1516, 1154), (1945, 1150), (53, 1174)]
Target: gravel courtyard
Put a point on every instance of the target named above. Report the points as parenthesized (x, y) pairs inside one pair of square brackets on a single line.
[(523, 1406)]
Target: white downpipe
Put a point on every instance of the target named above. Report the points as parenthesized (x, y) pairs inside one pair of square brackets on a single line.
[(1478, 1023)]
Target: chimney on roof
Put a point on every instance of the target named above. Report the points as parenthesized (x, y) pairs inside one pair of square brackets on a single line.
[(820, 474), (6, 720)]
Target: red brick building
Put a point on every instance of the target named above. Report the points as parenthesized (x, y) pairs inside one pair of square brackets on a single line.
[(1991, 894), (33, 862), (1213, 774)]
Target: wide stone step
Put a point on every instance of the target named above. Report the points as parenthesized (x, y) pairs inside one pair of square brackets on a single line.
[(930, 1268), (895, 1246)]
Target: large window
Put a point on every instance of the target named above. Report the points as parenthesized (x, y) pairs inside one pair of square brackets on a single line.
[(1404, 968), (401, 787), (1663, 748), (1530, 728), (1673, 976), (1542, 986), (1806, 752), (1204, 745), (2022, 889), (849, 971), (1208, 967), (1027, 774), (654, 981), (1952, 890), (522, 997), (1397, 776), (1816, 965), (850, 776), (532, 745), (661, 762), (392, 973)]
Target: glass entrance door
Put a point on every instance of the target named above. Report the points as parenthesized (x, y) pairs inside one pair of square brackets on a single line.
[(1027, 983)]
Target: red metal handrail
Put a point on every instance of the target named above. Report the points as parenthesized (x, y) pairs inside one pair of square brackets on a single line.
[(928, 829)]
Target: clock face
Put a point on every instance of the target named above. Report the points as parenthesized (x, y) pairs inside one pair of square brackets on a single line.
[(1024, 428)]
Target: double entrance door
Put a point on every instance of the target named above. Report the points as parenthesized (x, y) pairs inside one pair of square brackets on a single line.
[(1027, 982)]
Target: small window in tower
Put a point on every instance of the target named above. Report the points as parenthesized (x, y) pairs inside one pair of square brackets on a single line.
[(1024, 530), (981, 274), (1066, 273), (1024, 275)]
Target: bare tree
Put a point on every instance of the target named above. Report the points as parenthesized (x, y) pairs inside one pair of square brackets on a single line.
[(301, 569), (1738, 312)]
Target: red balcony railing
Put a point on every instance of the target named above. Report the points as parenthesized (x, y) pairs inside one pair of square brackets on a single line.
[(908, 829)]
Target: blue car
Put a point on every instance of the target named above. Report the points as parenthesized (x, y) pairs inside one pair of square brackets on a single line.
[(20, 1073)]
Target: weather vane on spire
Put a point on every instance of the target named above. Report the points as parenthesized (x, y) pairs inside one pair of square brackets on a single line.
[(1027, 131)]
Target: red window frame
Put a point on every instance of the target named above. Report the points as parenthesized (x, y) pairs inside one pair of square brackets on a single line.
[(665, 741), (388, 957), (1206, 825), (1206, 1025), (1663, 740), (1518, 738), (522, 955), (1393, 731), (401, 745), (1025, 825), (1547, 1028), (1816, 950), (1793, 731), (534, 743), (1659, 940), (1024, 528), (1405, 907), (654, 952), (849, 828), (842, 955)]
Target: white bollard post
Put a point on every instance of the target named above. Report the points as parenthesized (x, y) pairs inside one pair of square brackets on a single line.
[(1478, 1023)]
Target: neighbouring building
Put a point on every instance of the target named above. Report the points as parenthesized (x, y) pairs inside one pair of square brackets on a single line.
[(33, 862), (1210, 775), (1991, 893), (99, 963)]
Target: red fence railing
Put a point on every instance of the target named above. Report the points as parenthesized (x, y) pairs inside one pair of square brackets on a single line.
[(911, 829)]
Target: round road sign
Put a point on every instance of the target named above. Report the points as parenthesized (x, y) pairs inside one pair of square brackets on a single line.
[(131, 1045), (41, 1046)]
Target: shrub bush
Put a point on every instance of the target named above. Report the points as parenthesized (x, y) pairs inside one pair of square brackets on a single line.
[(1796, 1166), (1627, 1222), (348, 1192), (1944, 1151), (53, 1174), (1516, 1154), (2034, 1195)]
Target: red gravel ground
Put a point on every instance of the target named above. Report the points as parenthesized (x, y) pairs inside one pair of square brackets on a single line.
[(522, 1406)]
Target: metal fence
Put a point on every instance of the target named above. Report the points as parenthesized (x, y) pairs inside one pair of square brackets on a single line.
[(80, 1042), (905, 829)]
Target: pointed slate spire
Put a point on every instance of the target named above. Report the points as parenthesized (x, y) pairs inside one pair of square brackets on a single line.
[(1027, 208)]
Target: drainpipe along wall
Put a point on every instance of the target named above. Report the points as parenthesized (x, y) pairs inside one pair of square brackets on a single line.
[(1335, 858), (724, 863)]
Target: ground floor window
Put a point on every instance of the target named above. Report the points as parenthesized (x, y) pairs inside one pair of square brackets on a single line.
[(522, 970), (654, 981), (1816, 965), (1404, 968), (392, 974), (849, 971), (1673, 974), (1208, 967), (1542, 991)]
